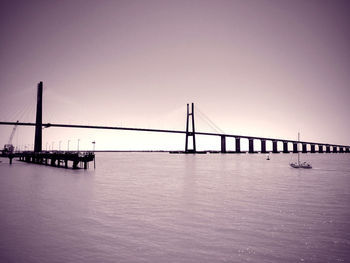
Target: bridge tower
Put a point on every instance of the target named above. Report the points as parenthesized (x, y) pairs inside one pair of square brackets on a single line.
[(39, 119), (190, 133)]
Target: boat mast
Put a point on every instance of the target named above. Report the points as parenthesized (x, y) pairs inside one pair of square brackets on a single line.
[(298, 149)]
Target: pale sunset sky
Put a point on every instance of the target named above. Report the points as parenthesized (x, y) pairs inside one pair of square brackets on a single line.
[(254, 67)]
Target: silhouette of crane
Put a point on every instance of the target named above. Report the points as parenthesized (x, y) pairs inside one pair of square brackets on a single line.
[(8, 148)]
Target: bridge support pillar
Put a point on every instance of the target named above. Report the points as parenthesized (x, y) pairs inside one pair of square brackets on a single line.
[(190, 133), (347, 149), (320, 148), (238, 144), (313, 148), (304, 148), (295, 147), (335, 149), (285, 147), (251, 145), (274, 147), (328, 149), (263, 146), (223, 144), (38, 123), (341, 149)]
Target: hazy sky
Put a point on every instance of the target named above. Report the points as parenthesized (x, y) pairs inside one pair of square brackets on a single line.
[(264, 68)]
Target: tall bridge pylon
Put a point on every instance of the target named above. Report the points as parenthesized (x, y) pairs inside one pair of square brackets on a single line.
[(190, 133), (39, 119)]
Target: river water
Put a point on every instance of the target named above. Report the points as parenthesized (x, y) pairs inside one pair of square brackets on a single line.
[(160, 207)]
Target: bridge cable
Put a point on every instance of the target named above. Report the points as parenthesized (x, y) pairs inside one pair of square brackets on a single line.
[(209, 121), (47, 98), (18, 114), (203, 118)]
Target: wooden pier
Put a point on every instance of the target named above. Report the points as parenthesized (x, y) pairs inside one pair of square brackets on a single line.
[(54, 158)]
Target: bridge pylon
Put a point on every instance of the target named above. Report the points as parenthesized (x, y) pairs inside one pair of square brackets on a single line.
[(39, 117), (190, 133)]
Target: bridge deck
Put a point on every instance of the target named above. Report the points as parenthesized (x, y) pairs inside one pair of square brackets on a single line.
[(47, 125)]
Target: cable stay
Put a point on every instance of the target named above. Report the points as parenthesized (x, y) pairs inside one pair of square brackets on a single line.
[(208, 121)]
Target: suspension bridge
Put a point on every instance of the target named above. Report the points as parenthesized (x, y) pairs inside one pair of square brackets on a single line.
[(40, 156)]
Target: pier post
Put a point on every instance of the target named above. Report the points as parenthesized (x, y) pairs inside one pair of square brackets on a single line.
[(189, 133), (347, 149), (85, 165), (313, 148), (320, 148), (304, 148), (251, 145), (75, 164), (65, 163), (274, 147), (335, 149), (263, 146), (223, 144), (295, 147), (38, 123), (10, 158), (328, 148), (285, 147), (341, 149), (238, 144)]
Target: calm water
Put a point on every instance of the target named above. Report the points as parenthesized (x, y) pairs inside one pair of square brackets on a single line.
[(158, 207)]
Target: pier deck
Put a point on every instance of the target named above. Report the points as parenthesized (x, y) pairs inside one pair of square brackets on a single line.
[(54, 158)]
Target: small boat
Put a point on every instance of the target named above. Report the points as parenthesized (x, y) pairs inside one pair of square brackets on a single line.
[(298, 164), (268, 157), (304, 165)]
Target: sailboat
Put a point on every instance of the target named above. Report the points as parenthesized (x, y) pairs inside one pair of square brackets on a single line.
[(304, 165)]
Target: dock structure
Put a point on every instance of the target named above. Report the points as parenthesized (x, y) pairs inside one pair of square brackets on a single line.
[(52, 158), (55, 158)]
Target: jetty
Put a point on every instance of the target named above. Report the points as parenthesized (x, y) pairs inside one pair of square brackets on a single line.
[(62, 159)]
